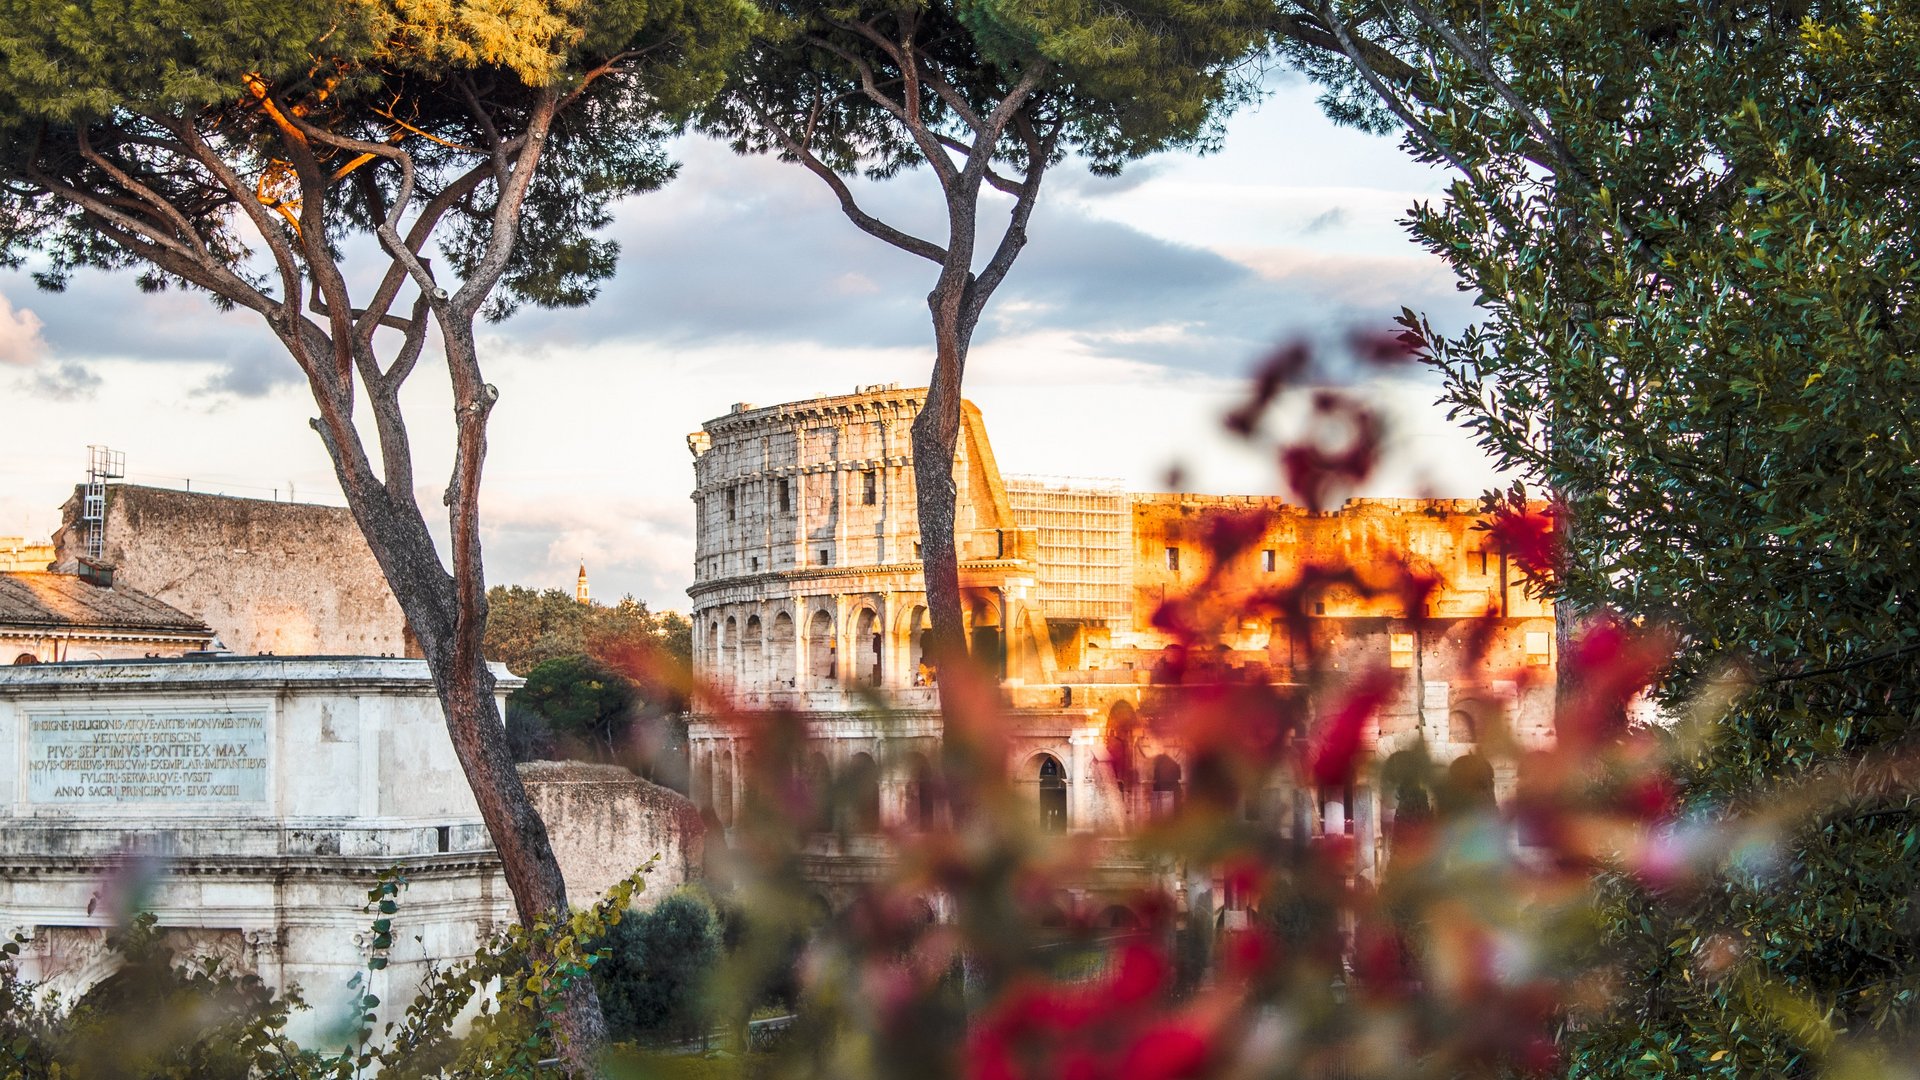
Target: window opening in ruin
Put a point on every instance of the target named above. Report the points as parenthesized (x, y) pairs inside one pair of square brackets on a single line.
[(824, 559), (1483, 561), (786, 496), (443, 839), (916, 549), (1166, 788), (1319, 608), (752, 655), (1267, 560), (1173, 559), (869, 487), (1053, 796), (732, 506)]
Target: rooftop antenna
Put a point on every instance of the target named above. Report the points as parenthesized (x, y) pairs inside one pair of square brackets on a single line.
[(102, 465)]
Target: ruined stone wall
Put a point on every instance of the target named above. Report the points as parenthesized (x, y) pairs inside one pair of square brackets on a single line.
[(605, 823), (268, 577)]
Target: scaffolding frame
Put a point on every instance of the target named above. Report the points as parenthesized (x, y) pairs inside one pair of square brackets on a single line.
[(1084, 530)]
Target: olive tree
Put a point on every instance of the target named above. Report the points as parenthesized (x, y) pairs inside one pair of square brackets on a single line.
[(369, 177)]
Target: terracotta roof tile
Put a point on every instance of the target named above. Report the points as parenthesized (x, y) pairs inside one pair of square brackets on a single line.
[(65, 600)]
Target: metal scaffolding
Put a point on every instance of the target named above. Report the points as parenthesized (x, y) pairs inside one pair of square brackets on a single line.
[(102, 465), (1085, 537)]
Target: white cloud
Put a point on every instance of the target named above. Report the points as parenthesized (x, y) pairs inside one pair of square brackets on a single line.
[(20, 340)]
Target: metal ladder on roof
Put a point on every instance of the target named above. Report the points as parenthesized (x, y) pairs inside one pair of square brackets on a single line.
[(102, 465)]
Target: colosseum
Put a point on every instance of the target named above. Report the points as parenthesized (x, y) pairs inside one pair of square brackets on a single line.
[(808, 598)]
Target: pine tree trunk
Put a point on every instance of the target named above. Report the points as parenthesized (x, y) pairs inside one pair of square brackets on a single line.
[(935, 437)]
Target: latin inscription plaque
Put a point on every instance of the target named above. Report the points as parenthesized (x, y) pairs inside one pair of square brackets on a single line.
[(147, 756)]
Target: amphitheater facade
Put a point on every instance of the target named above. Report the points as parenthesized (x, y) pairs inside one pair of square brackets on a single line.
[(808, 597)]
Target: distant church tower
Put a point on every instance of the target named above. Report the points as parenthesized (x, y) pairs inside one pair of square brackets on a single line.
[(580, 585)]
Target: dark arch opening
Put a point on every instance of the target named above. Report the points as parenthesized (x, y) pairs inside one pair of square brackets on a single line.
[(1053, 795), (1166, 787)]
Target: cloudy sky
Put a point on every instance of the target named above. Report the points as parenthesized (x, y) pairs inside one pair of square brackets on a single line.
[(1125, 331)]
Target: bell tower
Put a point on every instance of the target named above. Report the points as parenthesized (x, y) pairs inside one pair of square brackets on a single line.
[(580, 585)]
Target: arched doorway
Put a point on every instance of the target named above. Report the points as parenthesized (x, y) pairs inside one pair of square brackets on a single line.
[(1166, 787), (1053, 795), (820, 650), (780, 652), (863, 794), (866, 644), (753, 656)]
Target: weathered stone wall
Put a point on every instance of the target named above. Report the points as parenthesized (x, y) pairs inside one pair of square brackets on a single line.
[(265, 795), (268, 577), (605, 823)]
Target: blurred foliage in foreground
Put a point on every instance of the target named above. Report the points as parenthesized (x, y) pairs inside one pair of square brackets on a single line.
[(1691, 231)]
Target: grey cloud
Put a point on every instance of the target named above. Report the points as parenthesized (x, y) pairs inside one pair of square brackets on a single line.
[(1331, 218), (105, 316), (66, 380)]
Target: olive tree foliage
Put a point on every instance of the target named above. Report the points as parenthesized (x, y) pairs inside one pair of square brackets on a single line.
[(369, 177), (1692, 231), (986, 96)]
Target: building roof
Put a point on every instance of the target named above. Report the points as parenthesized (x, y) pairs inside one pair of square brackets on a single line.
[(69, 602)]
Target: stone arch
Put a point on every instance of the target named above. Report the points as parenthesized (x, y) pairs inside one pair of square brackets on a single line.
[(1166, 776), (729, 666), (917, 791), (862, 781), (866, 648), (712, 651), (986, 640), (780, 651), (1051, 777), (913, 631), (753, 655), (821, 655)]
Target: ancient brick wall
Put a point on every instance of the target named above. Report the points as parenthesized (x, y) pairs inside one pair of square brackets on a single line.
[(268, 577)]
